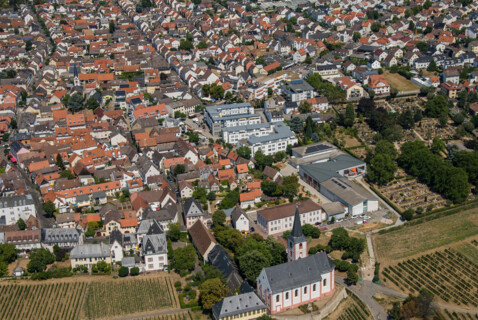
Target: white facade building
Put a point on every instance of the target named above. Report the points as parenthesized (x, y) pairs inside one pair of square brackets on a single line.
[(279, 219), (16, 207)]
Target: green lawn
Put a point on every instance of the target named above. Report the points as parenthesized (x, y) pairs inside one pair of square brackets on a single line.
[(426, 236), (469, 250)]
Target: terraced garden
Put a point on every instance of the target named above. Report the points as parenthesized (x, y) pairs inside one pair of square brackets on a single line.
[(448, 274)]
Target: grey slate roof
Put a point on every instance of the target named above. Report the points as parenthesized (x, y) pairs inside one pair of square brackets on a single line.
[(192, 208), (233, 305), (16, 201), (59, 235), (297, 273), (154, 244), (297, 236), (220, 259), (100, 250)]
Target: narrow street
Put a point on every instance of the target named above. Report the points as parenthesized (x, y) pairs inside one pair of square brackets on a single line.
[(44, 221)]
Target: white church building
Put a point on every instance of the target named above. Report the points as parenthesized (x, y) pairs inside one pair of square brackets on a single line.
[(300, 281)]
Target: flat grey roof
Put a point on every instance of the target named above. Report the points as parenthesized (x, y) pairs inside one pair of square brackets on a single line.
[(348, 191), (282, 131), (325, 170), (248, 127)]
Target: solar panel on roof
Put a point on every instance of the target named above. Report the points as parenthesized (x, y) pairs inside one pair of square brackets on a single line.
[(316, 148)]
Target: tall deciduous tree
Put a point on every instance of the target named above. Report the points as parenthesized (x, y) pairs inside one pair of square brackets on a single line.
[(211, 292)]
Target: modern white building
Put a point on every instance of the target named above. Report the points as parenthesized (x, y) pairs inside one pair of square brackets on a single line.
[(230, 115), (272, 143), (234, 134), (16, 207), (279, 219), (298, 91), (332, 179)]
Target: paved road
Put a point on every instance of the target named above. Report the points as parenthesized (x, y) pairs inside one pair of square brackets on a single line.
[(154, 314), (44, 221), (398, 222), (289, 170)]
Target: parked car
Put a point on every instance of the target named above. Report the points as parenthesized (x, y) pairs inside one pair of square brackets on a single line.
[(359, 222)]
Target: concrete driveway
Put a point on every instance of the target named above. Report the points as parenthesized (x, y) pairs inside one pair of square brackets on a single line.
[(289, 170)]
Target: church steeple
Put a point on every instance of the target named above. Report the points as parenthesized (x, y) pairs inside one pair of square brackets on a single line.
[(297, 242)]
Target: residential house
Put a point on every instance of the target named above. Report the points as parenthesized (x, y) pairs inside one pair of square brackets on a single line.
[(239, 219), (202, 239), (192, 211)]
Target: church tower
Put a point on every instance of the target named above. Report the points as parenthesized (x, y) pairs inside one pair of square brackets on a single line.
[(296, 241), (76, 78)]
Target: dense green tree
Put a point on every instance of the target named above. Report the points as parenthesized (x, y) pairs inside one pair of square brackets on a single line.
[(59, 162), (185, 44), (434, 171), (49, 208), (381, 169), (432, 66), (436, 106), (262, 160), (8, 253), (296, 124), (230, 200), (229, 238), (123, 272), (92, 103), (179, 169), (386, 147), (134, 271), (469, 162), (349, 115), (310, 231), (21, 224), (394, 313), (219, 218), (352, 277), (184, 260), (28, 45), (211, 292), (67, 174), (244, 151), (112, 26), (356, 36), (438, 145), (75, 102), (251, 264), (201, 45), (174, 232), (3, 269), (39, 259), (305, 107)]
